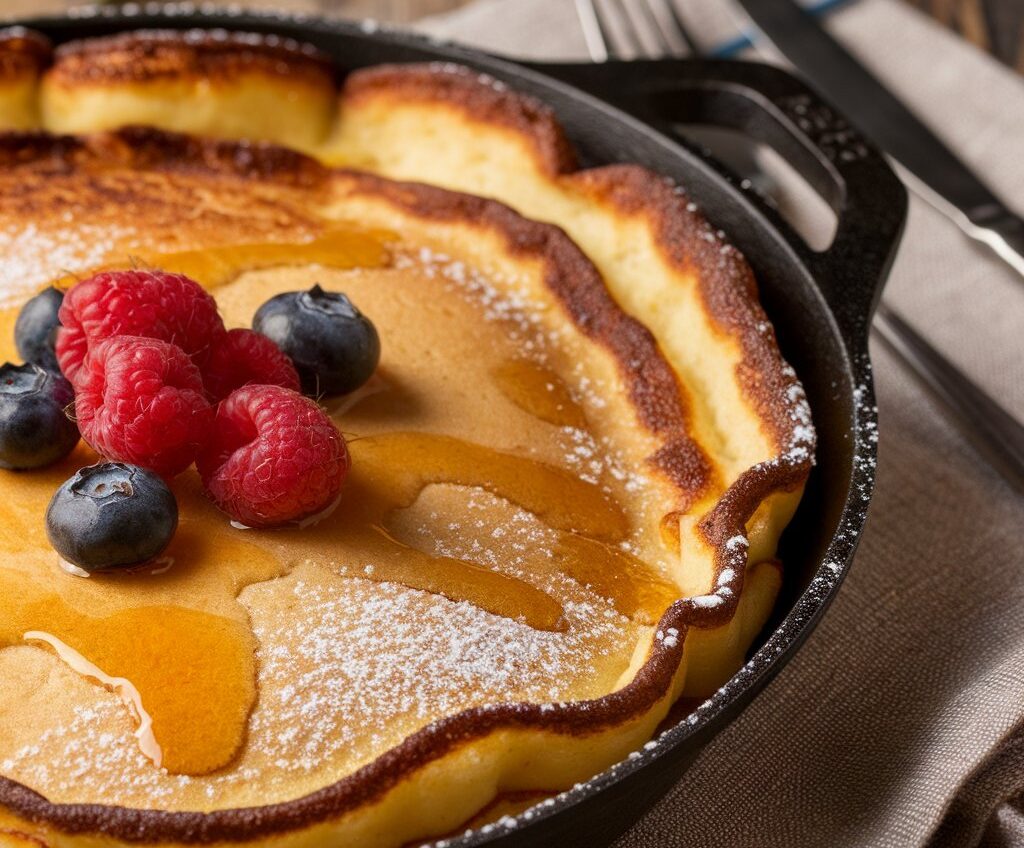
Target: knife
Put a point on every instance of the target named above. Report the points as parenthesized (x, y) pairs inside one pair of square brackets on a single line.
[(945, 181)]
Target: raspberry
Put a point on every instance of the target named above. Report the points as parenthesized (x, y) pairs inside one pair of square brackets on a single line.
[(154, 304), (243, 357), (141, 401), (274, 457)]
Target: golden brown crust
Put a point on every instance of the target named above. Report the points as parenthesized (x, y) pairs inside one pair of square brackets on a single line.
[(651, 384), (209, 55), (727, 284), (22, 53), (480, 95), (574, 280), (728, 290), (729, 293), (33, 166), (141, 148)]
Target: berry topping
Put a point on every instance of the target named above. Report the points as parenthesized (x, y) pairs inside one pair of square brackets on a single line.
[(111, 515), (154, 304), (243, 357), (34, 427), (274, 457), (35, 331), (142, 401), (333, 346)]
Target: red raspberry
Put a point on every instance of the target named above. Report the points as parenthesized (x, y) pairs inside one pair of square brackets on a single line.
[(274, 457), (141, 401), (154, 304), (243, 357)]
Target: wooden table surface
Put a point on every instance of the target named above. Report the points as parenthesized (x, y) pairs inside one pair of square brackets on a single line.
[(994, 25)]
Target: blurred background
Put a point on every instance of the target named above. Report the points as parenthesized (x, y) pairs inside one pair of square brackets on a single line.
[(997, 26)]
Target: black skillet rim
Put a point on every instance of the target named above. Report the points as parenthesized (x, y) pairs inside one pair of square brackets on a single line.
[(711, 716)]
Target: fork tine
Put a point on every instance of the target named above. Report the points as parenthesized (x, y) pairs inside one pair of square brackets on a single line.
[(672, 24), (637, 22), (612, 28), (599, 43), (652, 28), (663, 34)]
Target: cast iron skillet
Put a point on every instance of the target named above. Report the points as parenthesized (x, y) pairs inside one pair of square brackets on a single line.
[(820, 304)]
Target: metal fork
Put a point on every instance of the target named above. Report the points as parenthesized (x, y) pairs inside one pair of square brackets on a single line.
[(654, 29)]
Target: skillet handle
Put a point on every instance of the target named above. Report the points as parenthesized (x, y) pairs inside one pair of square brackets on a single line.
[(773, 107)]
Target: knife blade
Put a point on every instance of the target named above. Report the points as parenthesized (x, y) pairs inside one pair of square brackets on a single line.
[(945, 181)]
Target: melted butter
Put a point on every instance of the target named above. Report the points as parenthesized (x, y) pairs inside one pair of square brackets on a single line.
[(181, 637)]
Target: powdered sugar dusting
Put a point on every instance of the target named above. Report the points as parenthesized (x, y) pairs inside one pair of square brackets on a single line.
[(34, 256), (347, 667), (377, 659), (595, 459)]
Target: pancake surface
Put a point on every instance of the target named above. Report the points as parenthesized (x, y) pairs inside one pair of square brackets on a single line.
[(550, 499)]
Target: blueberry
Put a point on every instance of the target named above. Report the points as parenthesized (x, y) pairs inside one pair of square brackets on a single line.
[(35, 331), (335, 348), (34, 427), (112, 515)]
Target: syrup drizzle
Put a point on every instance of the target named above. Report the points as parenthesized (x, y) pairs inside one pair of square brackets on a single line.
[(390, 470), (540, 392), (131, 625), (337, 248), (176, 659)]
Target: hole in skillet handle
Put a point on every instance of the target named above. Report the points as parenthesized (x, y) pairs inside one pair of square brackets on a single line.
[(849, 184), (760, 167), (771, 108)]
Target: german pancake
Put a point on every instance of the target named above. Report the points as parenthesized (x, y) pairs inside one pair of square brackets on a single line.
[(569, 478)]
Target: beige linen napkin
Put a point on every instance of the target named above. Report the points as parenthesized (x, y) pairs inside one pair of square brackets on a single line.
[(901, 722)]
